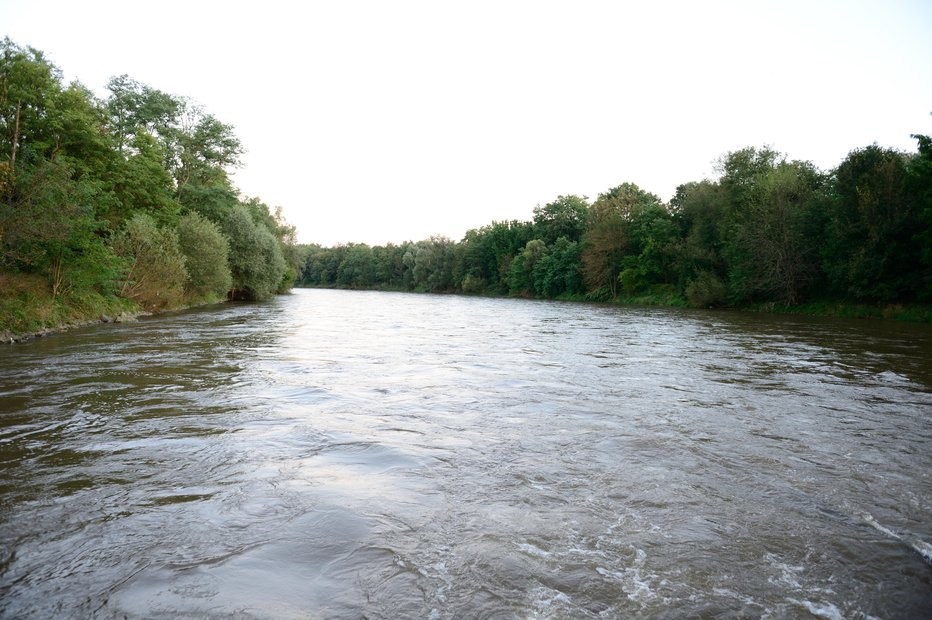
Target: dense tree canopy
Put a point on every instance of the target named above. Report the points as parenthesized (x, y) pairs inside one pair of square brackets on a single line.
[(128, 196), (768, 230)]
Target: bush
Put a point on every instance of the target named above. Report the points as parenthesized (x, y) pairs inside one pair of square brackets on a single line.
[(706, 290), (256, 260), (156, 274), (206, 254), (473, 284)]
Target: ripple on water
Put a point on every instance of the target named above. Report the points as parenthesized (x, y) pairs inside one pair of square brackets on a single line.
[(345, 455)]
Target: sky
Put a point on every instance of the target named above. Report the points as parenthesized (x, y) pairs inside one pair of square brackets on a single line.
[(383, 121)]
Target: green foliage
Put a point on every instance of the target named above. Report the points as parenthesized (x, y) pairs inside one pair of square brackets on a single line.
[(135, 108), (205, 147), (488, 252), (473, 285), (768, 246), (142, 184), (706, 290), (522, 269), (557, 273), (358, 268), (920, 185), (206, 253), (763, 235), (871, 251), (92, 192), (613, 218), (431, 264), (211, 196), (132, 195), (156, 272), (698, 210), (256, 260), (567, 216)]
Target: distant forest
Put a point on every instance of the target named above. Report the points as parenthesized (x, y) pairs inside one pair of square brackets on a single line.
[(769, 232), (122, 204)]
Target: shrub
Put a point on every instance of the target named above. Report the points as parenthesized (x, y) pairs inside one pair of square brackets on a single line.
[(156, 274), (706, 290), (206, 253)]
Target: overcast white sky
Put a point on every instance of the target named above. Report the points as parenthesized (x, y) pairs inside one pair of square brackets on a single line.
[(383, 121)]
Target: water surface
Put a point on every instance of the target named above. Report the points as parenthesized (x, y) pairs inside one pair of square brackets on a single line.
[(339, 454)]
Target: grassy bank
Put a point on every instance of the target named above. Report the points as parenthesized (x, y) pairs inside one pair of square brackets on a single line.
[(28, 308), (910, 313)]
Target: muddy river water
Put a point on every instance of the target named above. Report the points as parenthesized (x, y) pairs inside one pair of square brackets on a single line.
[(336, 454)]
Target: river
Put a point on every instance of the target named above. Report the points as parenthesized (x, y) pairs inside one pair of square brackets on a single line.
[(337, 454)]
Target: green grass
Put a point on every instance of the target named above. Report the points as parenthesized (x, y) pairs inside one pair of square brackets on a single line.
[(28, 307), (912, 313)]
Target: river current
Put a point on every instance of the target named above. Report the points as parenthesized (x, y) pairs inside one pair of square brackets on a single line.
[(335, 454)]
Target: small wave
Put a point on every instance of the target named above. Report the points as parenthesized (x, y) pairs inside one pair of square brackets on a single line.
[(534, 550), (918, 545), (635, 584), (820, 610)]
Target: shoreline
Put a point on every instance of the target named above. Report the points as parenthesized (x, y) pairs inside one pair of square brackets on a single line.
[(8, 337), (905, 313)]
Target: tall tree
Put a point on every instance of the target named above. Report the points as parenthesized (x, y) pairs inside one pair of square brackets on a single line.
[(564, 217), (921, 188), (774, 239), (608, 238), (871, 253)]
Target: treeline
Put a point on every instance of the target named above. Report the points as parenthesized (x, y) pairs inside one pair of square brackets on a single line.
[(768, 231), (123, 202)]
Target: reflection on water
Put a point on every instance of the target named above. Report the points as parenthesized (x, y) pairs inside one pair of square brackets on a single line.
[(344, 455)]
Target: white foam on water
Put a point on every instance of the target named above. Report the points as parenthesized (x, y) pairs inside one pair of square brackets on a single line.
[(870, 520), (546, 599), (635, 585), (918, 545), (821, 609), (533, 550), (788, 574), (922, 548), (725, 592)]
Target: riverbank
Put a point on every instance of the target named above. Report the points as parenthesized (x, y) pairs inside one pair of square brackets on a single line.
[(29, 310), (908, 313)]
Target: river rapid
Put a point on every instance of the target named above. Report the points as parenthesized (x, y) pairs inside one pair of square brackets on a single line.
[(336, 454)]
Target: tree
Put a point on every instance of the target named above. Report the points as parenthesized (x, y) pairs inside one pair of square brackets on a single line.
[(699, 210), (357, 269), (156, 274), (431, 263), (521, 272), (921, 187), (608, 239), (206, 253), (141, 183), (53, 152), (871, 251), (773, 241), (652, 239), (29, 87), (256, 260), (564, 217), (202, 146), (136, 108)]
